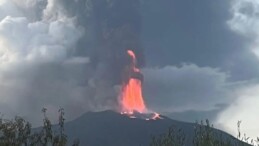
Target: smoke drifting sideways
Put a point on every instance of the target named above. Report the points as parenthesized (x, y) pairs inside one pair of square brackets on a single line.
[(65, 53)]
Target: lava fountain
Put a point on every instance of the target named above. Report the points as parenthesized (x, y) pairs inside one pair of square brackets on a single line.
[(132, 99)]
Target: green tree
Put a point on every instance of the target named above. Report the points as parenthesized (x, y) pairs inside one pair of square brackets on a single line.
[(17, 132)]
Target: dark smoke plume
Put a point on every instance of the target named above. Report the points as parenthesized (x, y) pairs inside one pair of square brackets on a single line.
[(115, 26)]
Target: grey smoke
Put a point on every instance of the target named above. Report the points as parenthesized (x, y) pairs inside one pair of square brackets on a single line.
[(112, 27), (64, 53)]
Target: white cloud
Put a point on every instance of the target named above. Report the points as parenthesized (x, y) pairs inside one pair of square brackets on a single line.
[(188, 87), (36, 69), (23, 40), (245, 21), (8, 8), (38, 40), (245, 108)]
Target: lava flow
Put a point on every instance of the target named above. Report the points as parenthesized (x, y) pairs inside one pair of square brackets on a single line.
[(132, 99), (132, 102)]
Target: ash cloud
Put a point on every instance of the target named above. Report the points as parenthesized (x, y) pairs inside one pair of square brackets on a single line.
[(117, 26), (64, 53), (113, 26)]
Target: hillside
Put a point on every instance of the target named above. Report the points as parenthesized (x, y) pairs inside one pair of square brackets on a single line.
[(113, 129)]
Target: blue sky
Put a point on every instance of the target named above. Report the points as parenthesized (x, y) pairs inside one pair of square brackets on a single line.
[(199, 58)]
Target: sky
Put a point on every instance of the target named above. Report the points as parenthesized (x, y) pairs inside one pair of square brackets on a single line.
[(200, 59)]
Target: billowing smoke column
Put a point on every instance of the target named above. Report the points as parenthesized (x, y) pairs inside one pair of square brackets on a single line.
[(131, 94), (117, 26), (111, 26), (67, 53)]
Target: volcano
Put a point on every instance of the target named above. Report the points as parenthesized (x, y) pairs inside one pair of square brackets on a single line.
[(134, 124), (109, 128)]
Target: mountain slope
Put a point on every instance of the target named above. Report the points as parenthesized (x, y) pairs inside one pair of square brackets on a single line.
[(109, 128)]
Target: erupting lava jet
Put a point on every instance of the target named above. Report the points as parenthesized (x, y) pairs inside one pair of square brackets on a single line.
[(132, 99)]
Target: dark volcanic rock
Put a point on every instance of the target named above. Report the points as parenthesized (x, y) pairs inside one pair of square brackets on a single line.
[(109, 128)]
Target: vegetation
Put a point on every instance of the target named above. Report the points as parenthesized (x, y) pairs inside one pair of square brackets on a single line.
[(18, 132), (204, 135), (174, 137)]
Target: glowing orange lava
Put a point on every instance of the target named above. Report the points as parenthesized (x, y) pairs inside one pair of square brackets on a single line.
[(156, 116), (132, 99)]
